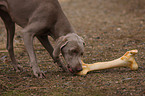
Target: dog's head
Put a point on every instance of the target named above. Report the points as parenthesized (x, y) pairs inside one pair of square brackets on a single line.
[(72, 48)]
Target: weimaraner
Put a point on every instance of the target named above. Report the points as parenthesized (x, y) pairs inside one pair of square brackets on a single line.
[(41, 18)]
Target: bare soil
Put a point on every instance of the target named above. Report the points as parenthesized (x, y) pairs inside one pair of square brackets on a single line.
[(109, 28)]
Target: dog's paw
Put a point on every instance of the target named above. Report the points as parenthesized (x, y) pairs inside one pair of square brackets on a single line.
[(18, 68), (38, 73)]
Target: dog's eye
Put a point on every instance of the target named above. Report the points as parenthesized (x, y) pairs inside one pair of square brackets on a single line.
[(82, 54), (74, 51)]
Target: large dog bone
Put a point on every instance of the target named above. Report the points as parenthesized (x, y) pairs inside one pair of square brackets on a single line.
[(127, 60)]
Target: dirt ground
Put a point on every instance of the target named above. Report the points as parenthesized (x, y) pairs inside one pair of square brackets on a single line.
[(109, 28)]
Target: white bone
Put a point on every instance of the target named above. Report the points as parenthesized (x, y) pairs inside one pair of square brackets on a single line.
[(127, 60)]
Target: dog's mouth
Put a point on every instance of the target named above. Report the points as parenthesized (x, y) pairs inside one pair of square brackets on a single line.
[(70, 69), (74, 72)]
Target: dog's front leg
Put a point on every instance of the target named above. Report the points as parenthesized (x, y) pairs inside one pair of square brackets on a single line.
[(29, 32)]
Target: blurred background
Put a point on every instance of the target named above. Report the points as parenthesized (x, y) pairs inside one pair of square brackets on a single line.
[(109, 28)]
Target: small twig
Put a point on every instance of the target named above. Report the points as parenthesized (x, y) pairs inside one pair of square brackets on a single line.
[(3, 51), (31, 88)]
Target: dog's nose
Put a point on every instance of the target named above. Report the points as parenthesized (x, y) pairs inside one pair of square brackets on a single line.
[(78, 69)]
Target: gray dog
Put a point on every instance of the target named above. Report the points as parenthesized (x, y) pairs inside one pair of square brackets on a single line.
[(41, 18)]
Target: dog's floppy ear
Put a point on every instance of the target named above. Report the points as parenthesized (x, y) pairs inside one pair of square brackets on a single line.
[(61, 42), (82, 40)]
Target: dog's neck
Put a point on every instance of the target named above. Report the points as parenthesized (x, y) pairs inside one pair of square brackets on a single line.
[(63, 31), (62, 27)]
